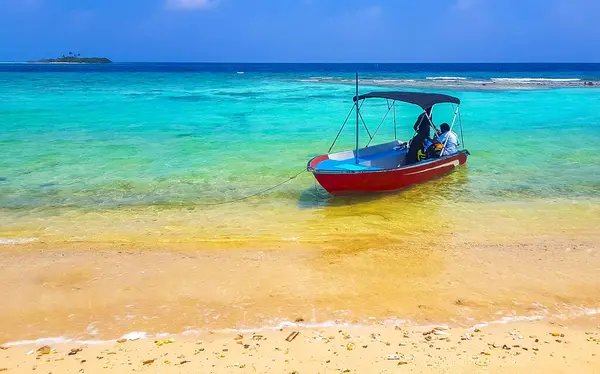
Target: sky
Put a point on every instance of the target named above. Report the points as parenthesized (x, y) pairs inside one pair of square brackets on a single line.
[(303, 30)]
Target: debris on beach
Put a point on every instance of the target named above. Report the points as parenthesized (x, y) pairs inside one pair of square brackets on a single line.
[(121, 341), (44, 350), (2, 347), (160, 343), (74, 351), (148, 362), (292, 336), (393, 357), (299, 320)]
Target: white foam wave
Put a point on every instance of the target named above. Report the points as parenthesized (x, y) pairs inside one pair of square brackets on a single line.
[(456, 81), (509, 319), (278, 325), (389, 81), (446, 78), (135, 335), (535, 80), (55, 340), (7, 241)]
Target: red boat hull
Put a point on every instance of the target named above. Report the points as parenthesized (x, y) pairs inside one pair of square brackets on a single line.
[(341, 183)]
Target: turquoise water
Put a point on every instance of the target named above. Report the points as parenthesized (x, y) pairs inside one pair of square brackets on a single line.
[(86, 139)]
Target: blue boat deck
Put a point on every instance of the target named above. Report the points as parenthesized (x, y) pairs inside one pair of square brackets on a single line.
[(377, 161), (345, 165)]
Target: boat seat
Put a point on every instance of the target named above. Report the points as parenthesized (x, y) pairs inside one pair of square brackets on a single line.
[(355, 167), (344, 165)]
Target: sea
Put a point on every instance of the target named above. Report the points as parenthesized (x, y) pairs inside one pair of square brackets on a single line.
[(186, 157)]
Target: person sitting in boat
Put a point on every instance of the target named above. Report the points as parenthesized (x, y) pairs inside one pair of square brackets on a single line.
[(417, 143), (433, 148), (448, 139)]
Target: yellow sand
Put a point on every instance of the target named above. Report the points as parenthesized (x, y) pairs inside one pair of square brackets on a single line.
[(524, 347)]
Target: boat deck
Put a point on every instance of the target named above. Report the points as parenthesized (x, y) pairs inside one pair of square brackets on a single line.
[(346, 165), (378, 161)]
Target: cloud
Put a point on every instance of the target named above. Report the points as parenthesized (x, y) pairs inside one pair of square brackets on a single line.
[(191, 4)]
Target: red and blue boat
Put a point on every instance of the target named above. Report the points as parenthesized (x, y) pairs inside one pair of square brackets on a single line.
[(384, 167)]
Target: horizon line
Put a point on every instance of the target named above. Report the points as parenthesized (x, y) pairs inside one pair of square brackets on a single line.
[(329, 63)]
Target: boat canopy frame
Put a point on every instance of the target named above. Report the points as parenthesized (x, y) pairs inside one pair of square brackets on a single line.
[(424, 100)]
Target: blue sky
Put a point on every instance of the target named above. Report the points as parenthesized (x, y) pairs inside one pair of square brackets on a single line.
[(303, 30)]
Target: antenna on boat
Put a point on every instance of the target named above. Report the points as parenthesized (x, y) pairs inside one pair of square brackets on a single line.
[(357, 117)]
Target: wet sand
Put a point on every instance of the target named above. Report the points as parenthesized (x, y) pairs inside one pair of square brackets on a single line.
[(102, 291), (101, 275), (541, 346)]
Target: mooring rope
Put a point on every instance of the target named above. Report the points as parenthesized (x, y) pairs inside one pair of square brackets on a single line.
[(256, 193)]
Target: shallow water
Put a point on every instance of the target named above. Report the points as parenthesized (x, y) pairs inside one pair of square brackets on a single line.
[(127, 158)]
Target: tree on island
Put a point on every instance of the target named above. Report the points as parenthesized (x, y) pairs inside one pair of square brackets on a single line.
[(76, 59)]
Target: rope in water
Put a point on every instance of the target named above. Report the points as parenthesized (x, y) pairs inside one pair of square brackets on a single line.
[(256, 193)]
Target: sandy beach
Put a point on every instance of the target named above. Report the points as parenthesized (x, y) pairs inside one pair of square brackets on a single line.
[(549, 346)]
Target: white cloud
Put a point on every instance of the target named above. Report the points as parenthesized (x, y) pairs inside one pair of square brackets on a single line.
[(191, 4)]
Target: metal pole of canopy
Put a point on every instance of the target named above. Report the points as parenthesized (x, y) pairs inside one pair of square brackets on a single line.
[(394, 105), (430, 118), (380, 123), (343, 125), (357, 119), (339, 132), (462, 138), (451, 127)]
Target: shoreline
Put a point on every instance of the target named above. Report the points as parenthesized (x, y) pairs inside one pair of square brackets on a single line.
[(590, 314), (552, 346)]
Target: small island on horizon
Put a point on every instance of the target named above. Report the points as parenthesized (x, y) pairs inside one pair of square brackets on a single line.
[(73, 58)]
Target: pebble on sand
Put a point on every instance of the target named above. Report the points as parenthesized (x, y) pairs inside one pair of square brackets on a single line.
[(44, 350)]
